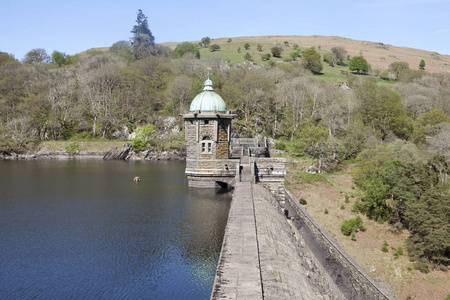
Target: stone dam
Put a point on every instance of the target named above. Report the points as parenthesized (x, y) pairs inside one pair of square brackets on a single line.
[(270, 253)]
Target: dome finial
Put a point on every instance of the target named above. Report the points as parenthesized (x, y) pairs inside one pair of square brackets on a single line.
[(208, 85)]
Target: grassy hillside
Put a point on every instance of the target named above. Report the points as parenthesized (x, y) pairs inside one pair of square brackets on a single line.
[(379, 55)]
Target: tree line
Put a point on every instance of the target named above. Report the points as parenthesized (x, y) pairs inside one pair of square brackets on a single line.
[(399, 136)]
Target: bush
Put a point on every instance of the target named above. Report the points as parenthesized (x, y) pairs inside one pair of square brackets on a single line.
[(422, 265), (325, 211), (276, 51), (302, 201), (348, 226), (266, 56), (74, 147), (248, 57), (385, 248), (398, 251), (247, 46), (214, 47), (342, 206)]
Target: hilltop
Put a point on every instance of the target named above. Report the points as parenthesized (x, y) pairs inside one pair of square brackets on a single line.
[(378, 54)]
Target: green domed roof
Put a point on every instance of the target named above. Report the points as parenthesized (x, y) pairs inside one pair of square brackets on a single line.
[(208, 100)]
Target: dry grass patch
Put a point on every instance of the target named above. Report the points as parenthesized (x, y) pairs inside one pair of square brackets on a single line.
[(366, 250)]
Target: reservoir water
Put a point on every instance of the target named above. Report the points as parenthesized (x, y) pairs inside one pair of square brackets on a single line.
[(82, 229)]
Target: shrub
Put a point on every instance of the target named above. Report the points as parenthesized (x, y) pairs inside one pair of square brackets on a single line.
[(247, 46), (385, 248), (74, 147), (229, 41), (248, 57), (353, 236), (214, 47), (348, 226), (346, 199), (398, 251), (422, 265), (266, 56), (276, 51), (296, 46), (328, 58), (325, 211), (302, 201), (342, 206), (259, 47)]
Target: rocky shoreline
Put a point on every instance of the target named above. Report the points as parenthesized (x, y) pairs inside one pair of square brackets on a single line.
[(126, 153)]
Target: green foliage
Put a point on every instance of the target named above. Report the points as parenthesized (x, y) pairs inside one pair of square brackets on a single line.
[(294, 55), (398, 252), (73, 147), (214, 47), (239, 49), (342, 206), (205, 41), (248, 57), (59, 58), (398, 67), (259, 47), (385, 248), (286, 43), (382, 109), (247, 46), (141, 26), (350, 225), (358, 64), (276, 51), (325, 211), (328, 57), (309, 178), (311, 60), (353, 236), (144, 137), (296, 46), (429, 219), (422, 64), (302, 201), (384, 75), (266, 56), (229, 40), (184, 48)]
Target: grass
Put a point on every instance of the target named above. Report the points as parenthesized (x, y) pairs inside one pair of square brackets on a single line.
[(96, 145)]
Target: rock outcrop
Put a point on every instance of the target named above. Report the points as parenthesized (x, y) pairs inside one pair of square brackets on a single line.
[(115, 153)]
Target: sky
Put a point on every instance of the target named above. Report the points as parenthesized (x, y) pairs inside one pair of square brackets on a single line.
[(75, 26)]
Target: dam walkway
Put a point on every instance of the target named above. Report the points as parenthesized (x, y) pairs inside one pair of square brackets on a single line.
[(266, 255)]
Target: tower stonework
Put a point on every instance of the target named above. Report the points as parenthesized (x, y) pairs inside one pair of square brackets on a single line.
[(208, 132)]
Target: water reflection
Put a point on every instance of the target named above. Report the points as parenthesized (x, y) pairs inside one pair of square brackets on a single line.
[(84, 229)]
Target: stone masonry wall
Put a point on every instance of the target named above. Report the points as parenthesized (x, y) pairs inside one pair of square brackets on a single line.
[(359, 285), (222, 142), (270, 172)]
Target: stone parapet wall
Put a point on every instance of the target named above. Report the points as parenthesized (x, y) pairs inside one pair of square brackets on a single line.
[(270, 172), (344, 268), (212, 165)]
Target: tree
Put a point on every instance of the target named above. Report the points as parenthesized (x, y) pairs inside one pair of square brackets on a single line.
[(382, 109), (398, 67), (36, 56), (339, 54), (205, 41), (359, 64), (229, 41), (247, 46), (276, 51), (143, 42), (214, 47), (59, 58), (142, 26), (429, 220), (186, 47), (422, 64), (327, 57), (311, 60)]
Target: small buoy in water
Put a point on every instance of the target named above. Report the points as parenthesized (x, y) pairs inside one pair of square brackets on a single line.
[(137, 179)]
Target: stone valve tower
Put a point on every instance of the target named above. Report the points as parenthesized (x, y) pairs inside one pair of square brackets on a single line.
[(208, 133)]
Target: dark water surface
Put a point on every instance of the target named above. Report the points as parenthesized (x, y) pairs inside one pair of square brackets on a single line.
[(83, 230)]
